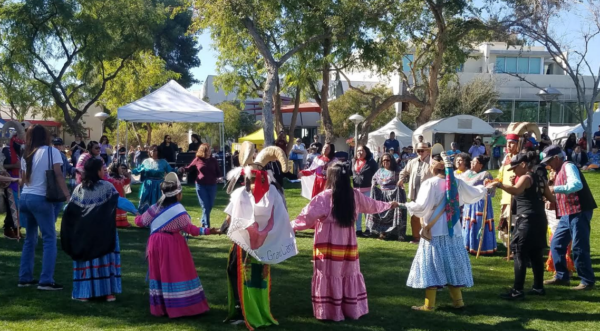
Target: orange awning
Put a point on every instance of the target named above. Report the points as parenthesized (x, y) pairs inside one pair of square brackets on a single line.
[(307, 107)]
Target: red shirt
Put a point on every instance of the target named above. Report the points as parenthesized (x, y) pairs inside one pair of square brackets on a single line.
[(208, 170)]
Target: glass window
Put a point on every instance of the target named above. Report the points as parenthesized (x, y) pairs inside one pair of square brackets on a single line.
[(526, 111), (506, 106), (511, 65), (535, 65), (555, 117), (570, 110), (406, 62), (523, 65), (499, 64)]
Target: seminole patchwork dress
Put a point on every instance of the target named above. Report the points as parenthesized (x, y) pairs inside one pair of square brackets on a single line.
[(384, 188), (119, 184), (318, 168), (175, 289), (338, 286), (443, 260), (473, 217), (152, 175)]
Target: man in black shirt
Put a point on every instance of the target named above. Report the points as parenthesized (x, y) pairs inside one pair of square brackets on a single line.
[(545, 140), (168, 150), (316, 144)]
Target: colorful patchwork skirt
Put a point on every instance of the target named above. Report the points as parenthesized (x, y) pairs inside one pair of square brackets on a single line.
[(472, 222)]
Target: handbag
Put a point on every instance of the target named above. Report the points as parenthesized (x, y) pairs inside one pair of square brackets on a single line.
[(293, 156), (496, 152), (426, 229), (53, 191)]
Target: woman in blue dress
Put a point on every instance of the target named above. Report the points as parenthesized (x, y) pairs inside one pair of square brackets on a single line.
[(153, 172), (472, 218)]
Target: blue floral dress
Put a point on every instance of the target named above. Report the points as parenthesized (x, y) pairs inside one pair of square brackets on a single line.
[(152, 175), (472, 218)]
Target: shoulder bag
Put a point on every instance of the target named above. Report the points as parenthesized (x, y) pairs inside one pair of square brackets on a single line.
[(53, 192)]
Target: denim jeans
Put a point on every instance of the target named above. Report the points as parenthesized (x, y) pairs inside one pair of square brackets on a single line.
[(359, 217), (206, 197), (298, 165), (58, 207), (36, 211), (574, 227)]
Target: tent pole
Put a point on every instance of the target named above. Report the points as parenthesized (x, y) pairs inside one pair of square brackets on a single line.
[(126, 141), (118, 131), (222, 135)]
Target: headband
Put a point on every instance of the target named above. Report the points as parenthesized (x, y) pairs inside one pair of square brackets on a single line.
[(512, 136)]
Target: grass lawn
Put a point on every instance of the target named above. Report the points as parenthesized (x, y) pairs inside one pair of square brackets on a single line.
[(385, 266)]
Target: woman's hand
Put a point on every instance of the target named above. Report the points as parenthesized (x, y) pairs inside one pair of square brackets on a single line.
[(300, 175), (400, 183), (394, 204), (215, 231)]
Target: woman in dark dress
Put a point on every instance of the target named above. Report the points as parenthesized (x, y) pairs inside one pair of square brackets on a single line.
[(363, 169)]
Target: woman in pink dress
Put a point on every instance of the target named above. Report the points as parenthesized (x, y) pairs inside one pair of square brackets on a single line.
[(338, 286), (318, 167)]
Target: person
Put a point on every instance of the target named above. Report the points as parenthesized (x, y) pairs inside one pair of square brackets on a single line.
[(105, 150), (529, 238), (36, 211), (545, 140), (575, 205), (11, 224), (258, 225), (442, 260), (93, 151), (453, 151), (582, 142), (91, 238), (312, 154), (498, 145), (593, 159), (319, 168), (363, 169), (195, 144), (462, 163), (152, 172), (504, 176), (12, 164), (77, 148), (209, 172), (175, 289), (416, 172), (477, 148), (391, 142), (597, 138), (276, 170), (119, 176), (472, 216), (168, 149), (530, 141), (390, 224), (395, 155), (570, 145), (317, 144), (281, 141), (420, 139), (67, 171), (338, 287), (297, 155), (579, 158)]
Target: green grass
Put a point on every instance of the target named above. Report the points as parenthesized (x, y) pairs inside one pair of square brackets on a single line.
[(385, 266)]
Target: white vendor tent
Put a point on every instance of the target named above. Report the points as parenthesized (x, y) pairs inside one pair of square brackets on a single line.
[(172, 103), (577, 129), (447, 130), (378, 137)]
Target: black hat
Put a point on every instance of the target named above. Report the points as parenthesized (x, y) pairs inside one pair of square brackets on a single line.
[(57, 142), (516, 160), (550, 152)]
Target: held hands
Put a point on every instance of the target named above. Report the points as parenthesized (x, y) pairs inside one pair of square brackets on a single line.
[(215, 231)]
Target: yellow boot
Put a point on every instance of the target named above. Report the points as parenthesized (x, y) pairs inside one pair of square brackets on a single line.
[(429, 305), (456, 295)]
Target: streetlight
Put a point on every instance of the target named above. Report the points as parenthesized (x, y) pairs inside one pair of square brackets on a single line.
[(492, 114), (356, 119), (102, 116), (548, 94)]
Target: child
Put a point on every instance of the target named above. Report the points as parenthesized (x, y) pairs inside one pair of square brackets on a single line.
[(175, 289), (119, 177)]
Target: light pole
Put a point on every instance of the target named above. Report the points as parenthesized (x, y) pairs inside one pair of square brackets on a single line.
[(356, 119), (548, 94), (492, 114), (102, 116)]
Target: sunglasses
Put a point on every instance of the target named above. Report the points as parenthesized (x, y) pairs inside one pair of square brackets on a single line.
[(420, 151), (386, 160)]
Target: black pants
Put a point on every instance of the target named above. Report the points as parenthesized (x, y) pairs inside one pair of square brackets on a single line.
[(8, 220), (528, 244)]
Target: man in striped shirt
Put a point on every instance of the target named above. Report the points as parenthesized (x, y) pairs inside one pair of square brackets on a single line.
[(575, 205)]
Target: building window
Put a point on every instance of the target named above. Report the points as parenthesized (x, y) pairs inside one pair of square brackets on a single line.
[(407, 62), (526, 111), (571, 109), (555, 112), (518, 65), (507, 109)]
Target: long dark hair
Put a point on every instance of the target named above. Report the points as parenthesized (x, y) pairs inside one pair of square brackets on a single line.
[(331, 154), (90, 173), (393, 163), (90, 145), (368, 153), (36, 137), (342, 194), (102, 139), (166, 187), (531, 158), (113, 169), (482, 159)]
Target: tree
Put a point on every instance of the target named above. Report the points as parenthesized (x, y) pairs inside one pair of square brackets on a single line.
[(473, 98), (365, 102), (238, 123), (70, 47), (535, 21)]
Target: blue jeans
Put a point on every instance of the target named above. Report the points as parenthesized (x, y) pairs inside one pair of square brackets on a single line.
[(58, 207), (359, 217), (36, 211), (574, 227), (298, 165), (206, 197)]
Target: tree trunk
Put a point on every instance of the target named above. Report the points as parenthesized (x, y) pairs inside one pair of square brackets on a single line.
[(279, 126), (325, 118), (138, 137), (270, 85), (149, 134), (294, 118)]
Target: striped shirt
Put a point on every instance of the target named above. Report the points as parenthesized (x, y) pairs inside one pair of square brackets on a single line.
[(567, 184)]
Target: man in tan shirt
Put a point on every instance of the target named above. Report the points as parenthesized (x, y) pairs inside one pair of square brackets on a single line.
[(416, 172), (506, 177)]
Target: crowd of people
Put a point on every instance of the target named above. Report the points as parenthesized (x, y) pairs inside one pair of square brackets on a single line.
[(450, 208)]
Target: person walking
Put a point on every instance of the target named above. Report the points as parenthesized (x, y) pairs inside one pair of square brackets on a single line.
[(36, 211), (575, 205), (363, 169), (206, 181)]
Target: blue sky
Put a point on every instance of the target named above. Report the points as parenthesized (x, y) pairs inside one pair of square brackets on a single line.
[(568, 27)]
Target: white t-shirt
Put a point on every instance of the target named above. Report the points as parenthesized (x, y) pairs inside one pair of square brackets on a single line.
[(41, 162)]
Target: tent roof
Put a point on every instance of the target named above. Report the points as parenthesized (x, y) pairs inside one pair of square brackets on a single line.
[(170, 103), (307, 107), (465, 124), (578, 129), (378, 137), (256, 137)]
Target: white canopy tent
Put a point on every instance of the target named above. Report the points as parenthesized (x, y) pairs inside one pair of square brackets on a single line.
[(172, 103), (451, 126), (577, 129), (378, 137)]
